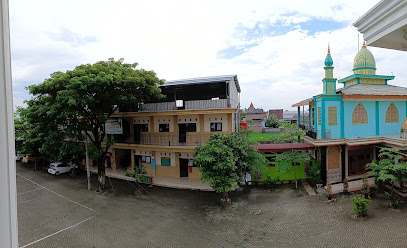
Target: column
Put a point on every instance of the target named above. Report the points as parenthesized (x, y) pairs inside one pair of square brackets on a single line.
[(8, 198)]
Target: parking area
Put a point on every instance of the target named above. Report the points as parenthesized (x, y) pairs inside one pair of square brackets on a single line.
[(59, 211)]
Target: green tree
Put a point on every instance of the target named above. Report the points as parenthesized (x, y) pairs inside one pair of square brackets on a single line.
[(225, 158), (80, 101), (272, 121), (29, 134), (291, 133), (389, 169), (285, 160)]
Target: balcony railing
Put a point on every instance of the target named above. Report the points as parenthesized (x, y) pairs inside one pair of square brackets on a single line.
[(198, 104), (163, 140)]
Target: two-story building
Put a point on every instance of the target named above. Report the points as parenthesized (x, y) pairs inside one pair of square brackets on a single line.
[(349, 125), (161, 135)]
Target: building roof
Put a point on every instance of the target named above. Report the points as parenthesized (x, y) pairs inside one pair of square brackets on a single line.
[(374, 90), (366, 76), (305, 102), (283, 147), (202, 80)]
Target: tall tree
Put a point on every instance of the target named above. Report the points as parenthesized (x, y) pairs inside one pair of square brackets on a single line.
[(80, 101), (291, 158), (225, 158)]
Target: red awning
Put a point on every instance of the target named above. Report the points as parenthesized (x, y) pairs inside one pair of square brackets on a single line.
[(283, 147)]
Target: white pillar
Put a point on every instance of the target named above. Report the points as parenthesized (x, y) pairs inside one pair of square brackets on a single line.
[(8, 199)]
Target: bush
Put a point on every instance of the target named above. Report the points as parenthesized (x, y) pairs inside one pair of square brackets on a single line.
[(361, 205), (271, 182), (315, 172)]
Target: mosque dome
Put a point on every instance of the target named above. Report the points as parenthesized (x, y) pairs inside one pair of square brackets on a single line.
[(364, 62), (328, 59)]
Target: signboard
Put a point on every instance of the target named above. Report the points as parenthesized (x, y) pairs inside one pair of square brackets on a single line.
[(114, 126)]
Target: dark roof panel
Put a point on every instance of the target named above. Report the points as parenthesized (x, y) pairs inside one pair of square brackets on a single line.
[(202, 80)]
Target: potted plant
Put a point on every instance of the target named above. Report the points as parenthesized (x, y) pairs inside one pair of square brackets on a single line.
[(365, 187), (345, 186), (394, 202), (329, 190)]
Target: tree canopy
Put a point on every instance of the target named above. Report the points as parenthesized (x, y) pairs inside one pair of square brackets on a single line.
[(78, 102), (225, 158)]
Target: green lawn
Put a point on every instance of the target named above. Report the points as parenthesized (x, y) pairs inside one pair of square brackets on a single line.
[(257, 137)]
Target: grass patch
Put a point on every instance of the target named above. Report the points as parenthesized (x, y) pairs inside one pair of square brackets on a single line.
[(257, 137)]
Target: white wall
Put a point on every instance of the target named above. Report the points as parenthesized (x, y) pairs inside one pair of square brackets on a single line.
[(8, 198)]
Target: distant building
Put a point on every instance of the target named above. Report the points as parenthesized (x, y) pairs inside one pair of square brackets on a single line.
[(278, 113), (256, 119)]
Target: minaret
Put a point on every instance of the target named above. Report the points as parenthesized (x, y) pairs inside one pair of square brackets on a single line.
[(329, 82)]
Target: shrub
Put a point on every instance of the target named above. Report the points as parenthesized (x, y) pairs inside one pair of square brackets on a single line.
[(315, 172), (361, 205), (271, 182)]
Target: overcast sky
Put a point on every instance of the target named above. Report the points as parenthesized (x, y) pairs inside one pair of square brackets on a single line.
[(276, 48)]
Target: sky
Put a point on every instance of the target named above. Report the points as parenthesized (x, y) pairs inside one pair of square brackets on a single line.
[(276, 48)]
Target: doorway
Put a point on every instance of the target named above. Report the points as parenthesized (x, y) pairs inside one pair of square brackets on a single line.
[(183, 167), (182, 128), (357, 160)]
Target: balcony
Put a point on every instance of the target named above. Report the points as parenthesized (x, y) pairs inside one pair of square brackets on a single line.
[(163, 140), (197, 104)]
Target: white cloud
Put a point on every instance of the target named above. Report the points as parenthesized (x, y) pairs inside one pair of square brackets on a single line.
[(181, 39)]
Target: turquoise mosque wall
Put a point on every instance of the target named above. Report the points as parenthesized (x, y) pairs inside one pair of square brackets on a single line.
[(391, 128), (364, 130)]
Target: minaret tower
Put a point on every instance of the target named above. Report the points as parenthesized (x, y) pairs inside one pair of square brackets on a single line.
[(329, 81)]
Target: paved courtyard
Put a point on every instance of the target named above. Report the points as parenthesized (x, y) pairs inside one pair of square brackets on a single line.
[(60, 212)]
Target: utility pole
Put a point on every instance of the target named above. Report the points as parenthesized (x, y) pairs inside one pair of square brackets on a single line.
[(8, 189), (87, 161)]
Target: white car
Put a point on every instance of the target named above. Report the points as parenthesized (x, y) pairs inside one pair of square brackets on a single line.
[(19, 156), (59, 168)]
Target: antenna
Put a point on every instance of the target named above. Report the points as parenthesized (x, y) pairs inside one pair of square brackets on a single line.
[(358, 42)]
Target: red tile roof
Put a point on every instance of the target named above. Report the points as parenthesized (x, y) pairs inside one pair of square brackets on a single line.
[(283, 147)]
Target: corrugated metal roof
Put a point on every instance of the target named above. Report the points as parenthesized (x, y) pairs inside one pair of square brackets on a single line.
[(303, 102), (283, 147), (373, 89), (202, 80)]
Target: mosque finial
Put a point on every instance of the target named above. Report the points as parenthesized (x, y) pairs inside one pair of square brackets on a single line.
[(364, 44), (329, 50)]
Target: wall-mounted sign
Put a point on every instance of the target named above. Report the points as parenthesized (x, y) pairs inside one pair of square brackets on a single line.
[(114, 126)]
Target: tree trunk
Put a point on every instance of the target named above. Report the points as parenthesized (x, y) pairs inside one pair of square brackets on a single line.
[(101, 175)]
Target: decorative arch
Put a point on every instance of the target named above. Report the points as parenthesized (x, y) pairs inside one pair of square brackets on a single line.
[(392, 114), (359, 115)]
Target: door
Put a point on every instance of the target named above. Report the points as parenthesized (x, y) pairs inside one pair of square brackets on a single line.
[(137, 131), (182, 129), (183, 167)]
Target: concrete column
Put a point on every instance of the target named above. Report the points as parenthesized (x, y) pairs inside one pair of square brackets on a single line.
[(8, 197), (132, 160), (114, 158)]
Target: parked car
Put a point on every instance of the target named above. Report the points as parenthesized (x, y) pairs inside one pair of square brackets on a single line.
[(19, 156), (59, 168), (30, 158)]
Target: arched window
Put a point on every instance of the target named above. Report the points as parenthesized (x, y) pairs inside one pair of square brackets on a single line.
[(359, 115), (392, 114)]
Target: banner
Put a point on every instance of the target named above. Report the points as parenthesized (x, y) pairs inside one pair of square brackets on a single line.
[(114, 126)]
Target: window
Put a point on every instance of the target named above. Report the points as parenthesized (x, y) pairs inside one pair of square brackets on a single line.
[(217, 126), (146, 159), (164, 127), (165, 161), (359, 115), (142, 127), (332, 116), (392, 114), (190, 127), (319, 116)]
